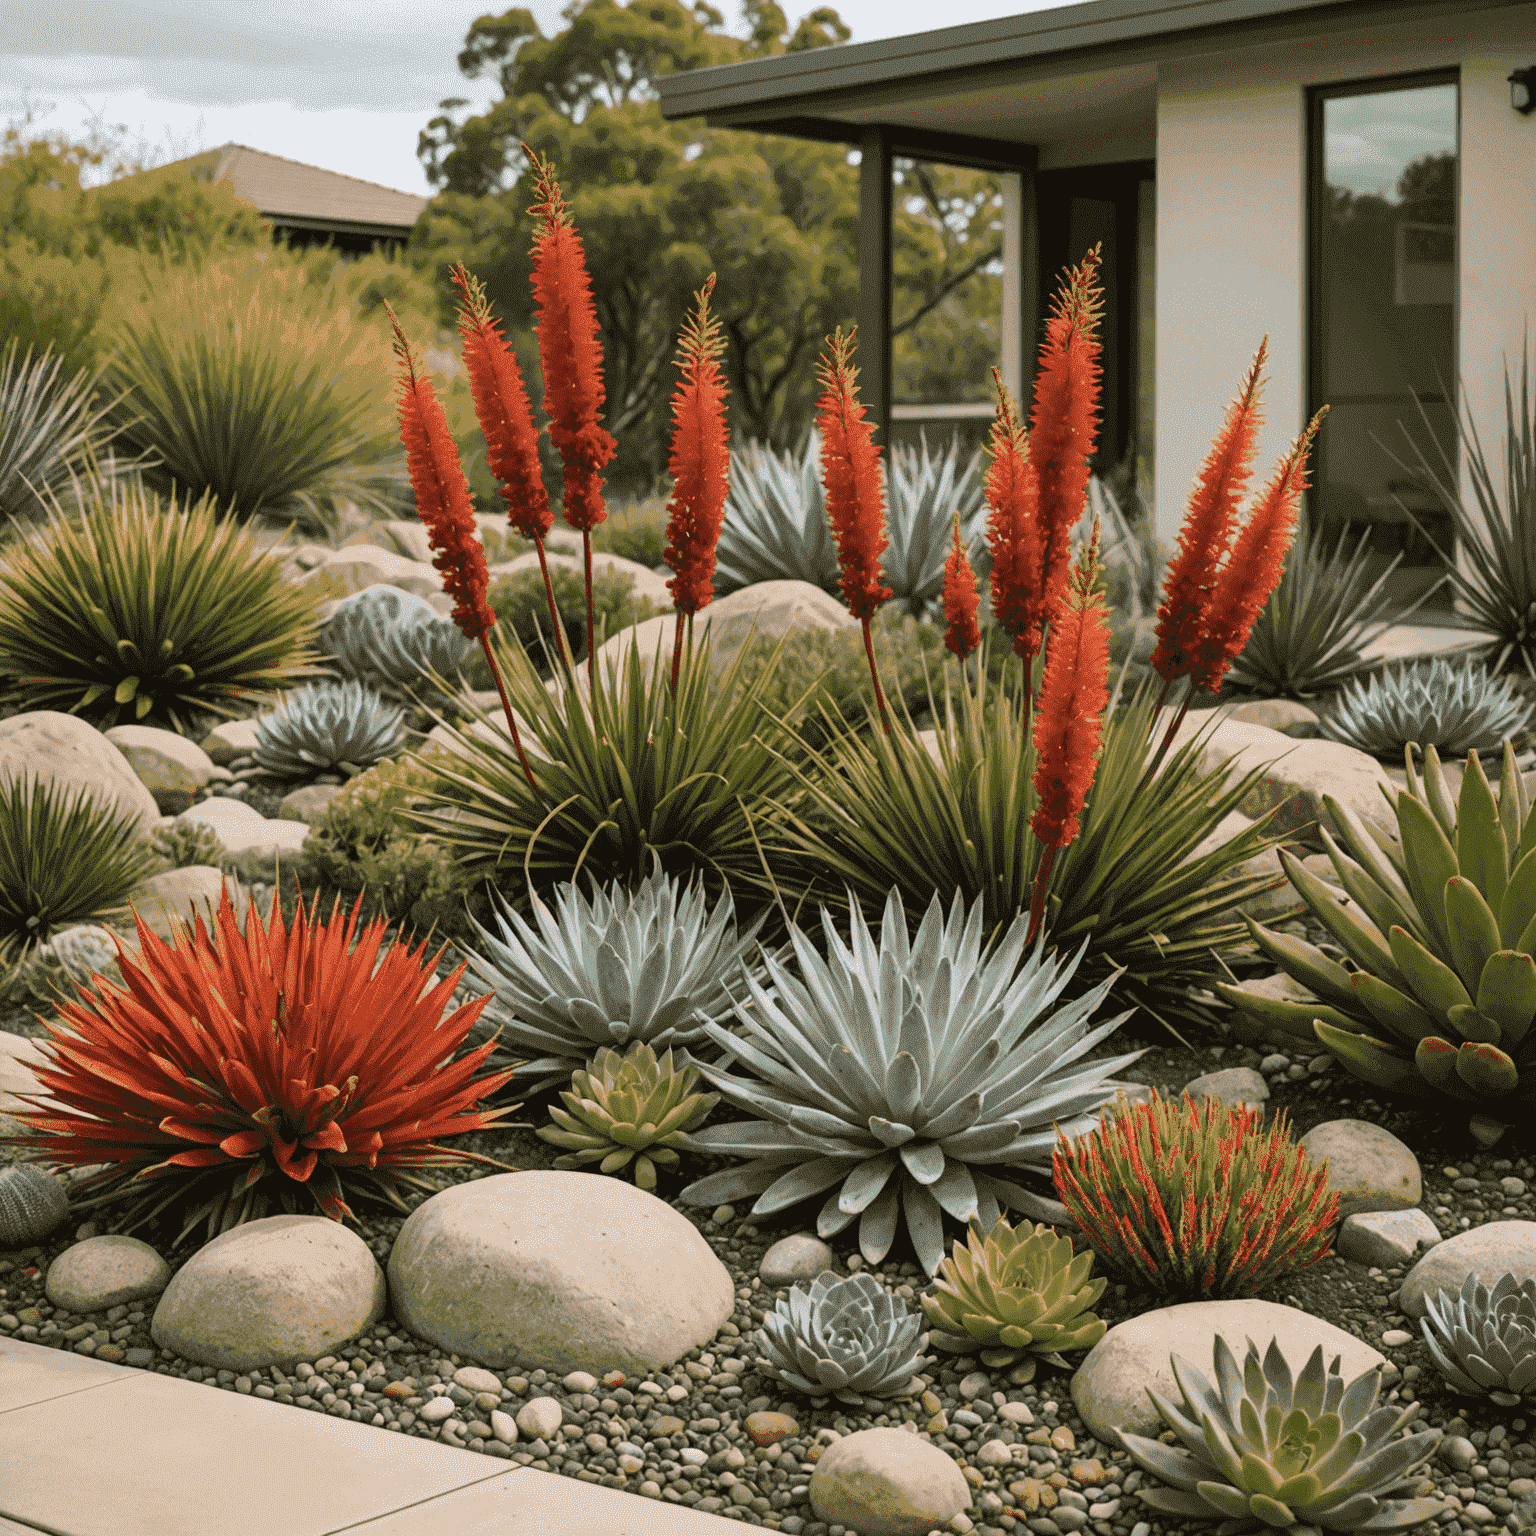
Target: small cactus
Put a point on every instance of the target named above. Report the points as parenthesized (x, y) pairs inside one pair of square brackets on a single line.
[(32, 1204)]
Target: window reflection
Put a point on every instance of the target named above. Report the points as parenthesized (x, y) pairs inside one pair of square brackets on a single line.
[(1383, 315)]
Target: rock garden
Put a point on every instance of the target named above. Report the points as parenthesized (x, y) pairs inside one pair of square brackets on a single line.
[(865, 1005)]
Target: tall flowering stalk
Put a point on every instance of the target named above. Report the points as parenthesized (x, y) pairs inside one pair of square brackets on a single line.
[(506, 422), (1014, 533), (1069, 720), (855, 493), (1194, 1200), (700, 466), (1221, 577), (1063, 420), (572, 358), (962, 635), (442, 500)]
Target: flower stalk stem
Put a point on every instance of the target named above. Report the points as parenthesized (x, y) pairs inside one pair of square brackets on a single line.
[(874, 672)]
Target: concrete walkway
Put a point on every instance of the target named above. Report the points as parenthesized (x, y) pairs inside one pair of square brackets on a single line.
[(93, 1449)]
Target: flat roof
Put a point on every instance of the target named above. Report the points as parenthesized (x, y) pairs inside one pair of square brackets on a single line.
[(963, 81)]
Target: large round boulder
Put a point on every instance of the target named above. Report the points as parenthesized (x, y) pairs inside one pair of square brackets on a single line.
[(1491, 1251), (271, 1292), (559, 1271), (1110, 1387), (887, 1482), (68, 752)]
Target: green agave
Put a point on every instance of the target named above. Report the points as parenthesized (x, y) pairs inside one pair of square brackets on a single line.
[(1016, 1292), (909, 1076), (328, 725), (629, 1109), (650, 967), (1455, 708), (1441, 932), (1483, 1341), (849, 1339), (1265, 1453)]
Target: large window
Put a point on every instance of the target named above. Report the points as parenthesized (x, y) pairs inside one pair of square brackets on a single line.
[(1382, 308)]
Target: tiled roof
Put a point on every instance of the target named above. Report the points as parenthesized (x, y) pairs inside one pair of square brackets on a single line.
[(285, 190)]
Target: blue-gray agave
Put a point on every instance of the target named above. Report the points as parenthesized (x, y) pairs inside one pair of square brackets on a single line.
[(1454, 707), (609, 968), (885, 1074), (1484, 1342), (328, 725), (1265, 1453), (775, 526), (387, 638), (849, 1339)]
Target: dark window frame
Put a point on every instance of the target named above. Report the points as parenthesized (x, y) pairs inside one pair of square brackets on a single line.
[(1312, 286)]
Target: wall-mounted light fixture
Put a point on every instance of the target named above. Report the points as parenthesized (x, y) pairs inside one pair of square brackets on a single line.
[(1522, 91)]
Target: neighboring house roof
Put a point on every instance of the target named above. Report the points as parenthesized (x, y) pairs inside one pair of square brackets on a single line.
[(952, 84), (298, 196)]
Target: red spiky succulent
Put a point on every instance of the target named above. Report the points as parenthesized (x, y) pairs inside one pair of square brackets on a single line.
[(281, 1063)]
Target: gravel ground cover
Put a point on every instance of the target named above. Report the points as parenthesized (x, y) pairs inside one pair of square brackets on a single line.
[(681, 1436)]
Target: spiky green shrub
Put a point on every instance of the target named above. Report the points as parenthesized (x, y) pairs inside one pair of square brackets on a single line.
[(258, 388), (628, 1110), (914, 1077), (149, 611), (1266, 1451), (1453, 707), (1190, 1200)]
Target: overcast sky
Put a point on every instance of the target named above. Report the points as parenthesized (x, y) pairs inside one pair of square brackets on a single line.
[(344, 84)]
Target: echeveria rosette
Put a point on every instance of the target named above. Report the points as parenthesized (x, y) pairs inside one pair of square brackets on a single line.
[(1016, 1292), (1484, 1342), (909, 1076), (1440, 925), (849, 1339), (328, 725), (1264, 1453)]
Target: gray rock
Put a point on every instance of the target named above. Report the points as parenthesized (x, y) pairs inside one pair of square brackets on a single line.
[(230, 739), (540, 1417), (167, 764), (647, 583), (252, 844), (1369, 1167), (1110, 1387), (1489, 1251), (1239, 1087), (1386, 1237), (105, 1272), (182, 895), (271, 1292), (473, 1379), (887, 1482), (1250, 1030), (307, 804), (46, 746), (1290, 717), (560, 1271), (801, 1256), (365, 565)]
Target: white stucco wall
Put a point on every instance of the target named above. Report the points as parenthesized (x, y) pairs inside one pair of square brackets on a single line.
[(1231, 229)]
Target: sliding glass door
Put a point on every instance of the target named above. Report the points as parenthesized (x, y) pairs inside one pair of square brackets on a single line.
[(1382, 309)]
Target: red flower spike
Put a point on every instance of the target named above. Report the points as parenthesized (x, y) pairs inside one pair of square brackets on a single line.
[(1013, 530), (855, 492), (700, 466), (961, 600), (1209, 527), (1069, 719), (1063, 421), (350, 1068), (1251, 1206), (1258, 557)]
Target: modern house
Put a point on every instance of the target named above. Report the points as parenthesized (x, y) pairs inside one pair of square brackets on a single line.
[(1355, 179), (309, 205)]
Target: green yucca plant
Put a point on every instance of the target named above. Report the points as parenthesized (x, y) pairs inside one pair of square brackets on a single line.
[(891, 811), (146, 610), (64, 858), (256, 387), (1192, 1200)]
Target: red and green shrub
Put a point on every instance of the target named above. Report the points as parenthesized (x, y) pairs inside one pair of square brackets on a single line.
[(277, 1065), (1189, 1199)]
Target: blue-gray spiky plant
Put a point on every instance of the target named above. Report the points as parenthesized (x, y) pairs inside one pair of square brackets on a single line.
[(849, 1339), (608, 968), (328, 725), (1454, 707), (388, 639), (1483, 1341), (913, 1076)]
